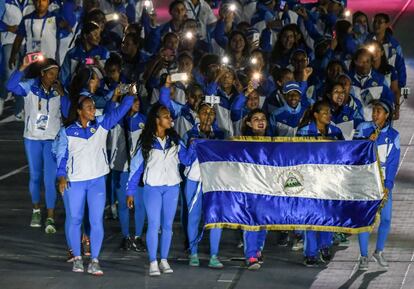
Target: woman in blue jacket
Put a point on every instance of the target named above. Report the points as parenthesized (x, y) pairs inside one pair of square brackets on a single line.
[(205, 129), (159, 153), (387, 139), (82, 165), (317, 122), (43, 99)]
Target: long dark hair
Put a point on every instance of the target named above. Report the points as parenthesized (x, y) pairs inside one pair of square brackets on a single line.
[(277, 52), (384, 68), (147, 138), (79, 82), (308, 116)]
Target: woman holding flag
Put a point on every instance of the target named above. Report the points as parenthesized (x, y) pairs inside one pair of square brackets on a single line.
[(317, 122), (387, 139)]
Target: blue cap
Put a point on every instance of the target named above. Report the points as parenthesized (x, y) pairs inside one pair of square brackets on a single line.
[(290, 86)]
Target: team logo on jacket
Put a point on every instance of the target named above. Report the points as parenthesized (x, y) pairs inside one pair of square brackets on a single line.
[(92, 130), (345, 118), (374, 83), (291, 182), (141, 125)]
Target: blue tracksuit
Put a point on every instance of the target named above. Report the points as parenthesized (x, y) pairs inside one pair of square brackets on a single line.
[(351, 111), (82, 160), (388, 143), (184, 117), (316, 240), (42, 124), (76, 57), (194, 195), (370, 87), (223, 116), (161, 178), (394, 54), (124, 137), (284, 121)]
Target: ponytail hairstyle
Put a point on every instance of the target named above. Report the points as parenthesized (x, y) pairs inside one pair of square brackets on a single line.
[(308, 116), (148, 135), (79, 82)]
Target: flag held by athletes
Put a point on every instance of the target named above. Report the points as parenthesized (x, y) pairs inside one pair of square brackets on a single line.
[(328, 186)]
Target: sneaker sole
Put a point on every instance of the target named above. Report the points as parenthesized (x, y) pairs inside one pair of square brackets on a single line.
[(170, 271), (362, 269), (216, 267), (96, 273), (155, 274), (194, 265), (50, 230), (35, 225), (254, 267), (78, 270)]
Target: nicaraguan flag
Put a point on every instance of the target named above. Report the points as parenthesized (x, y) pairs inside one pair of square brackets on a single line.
[(310, 185)]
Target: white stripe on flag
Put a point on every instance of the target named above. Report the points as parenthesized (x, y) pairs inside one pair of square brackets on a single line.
[(321, 181)]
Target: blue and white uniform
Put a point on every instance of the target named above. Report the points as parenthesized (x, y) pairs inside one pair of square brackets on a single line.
[(395, 57), (42, 124), (388, 143), (194, 194), (284, 121), (368, 88), (128, 130), (76, 56), (82, 159), (40, 33), (161, 178), (223, 113), (184, 117), (317, 240)]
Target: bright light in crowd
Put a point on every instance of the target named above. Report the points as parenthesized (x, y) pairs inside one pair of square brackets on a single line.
[(147, 3), (225, 60), (347, 13), (256, 76), (253, 60), (189, 35), (116, 17), (232, 7), (371, 48)]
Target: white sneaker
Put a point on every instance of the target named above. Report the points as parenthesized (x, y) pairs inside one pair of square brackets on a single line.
[(165, 267), (1, 106), (379, 258), (363, 263), (153, 269)]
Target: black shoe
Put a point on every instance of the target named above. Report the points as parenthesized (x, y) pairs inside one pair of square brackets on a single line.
[(283, 239), (326, 255), (310, 262), (253, 264), (126, 244), (139, 245)]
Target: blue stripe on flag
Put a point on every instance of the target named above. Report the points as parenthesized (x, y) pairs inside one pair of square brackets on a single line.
[(287, 154), (258, 210)]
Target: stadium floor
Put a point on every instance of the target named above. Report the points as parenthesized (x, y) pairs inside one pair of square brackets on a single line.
[(31, 259)]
